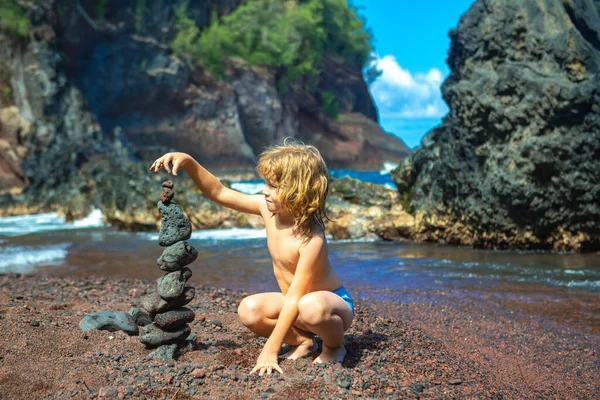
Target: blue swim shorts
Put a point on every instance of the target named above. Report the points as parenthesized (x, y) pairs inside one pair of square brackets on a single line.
[(343, 293)]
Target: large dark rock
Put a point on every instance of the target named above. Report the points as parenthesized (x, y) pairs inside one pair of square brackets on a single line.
[(108, 87), (361, 193), (516, 162)]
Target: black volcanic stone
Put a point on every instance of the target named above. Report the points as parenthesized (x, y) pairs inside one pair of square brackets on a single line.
[(166, 196), (171, 285), (140, 317), (175, 318), (177, 256), (155, 304), (175, 226), (153, 335)]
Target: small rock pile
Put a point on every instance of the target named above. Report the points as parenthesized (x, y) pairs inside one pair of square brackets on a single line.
[(165, 307)]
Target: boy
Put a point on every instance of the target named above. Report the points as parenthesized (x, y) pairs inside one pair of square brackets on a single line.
[(312, 299)]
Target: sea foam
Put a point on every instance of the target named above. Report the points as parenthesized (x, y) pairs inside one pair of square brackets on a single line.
[(24, 259), (249, 187), (220, 234), (25, 224)]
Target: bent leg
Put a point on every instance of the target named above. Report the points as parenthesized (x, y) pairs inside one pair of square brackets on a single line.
[(259, 313), (329, 316)]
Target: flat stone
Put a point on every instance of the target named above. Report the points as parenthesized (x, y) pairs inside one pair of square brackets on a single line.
[(167, 184), (109, 321), (153, 336), (177, 256), (171, 285), (155, 304), (165, 352), (140, 317), (175, 226), (175, 318)]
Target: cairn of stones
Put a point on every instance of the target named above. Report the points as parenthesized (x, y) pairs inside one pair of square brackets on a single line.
[(165, 308)]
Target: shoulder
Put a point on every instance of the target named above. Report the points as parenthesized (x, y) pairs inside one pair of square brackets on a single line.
[(262, 206), (315, 241)]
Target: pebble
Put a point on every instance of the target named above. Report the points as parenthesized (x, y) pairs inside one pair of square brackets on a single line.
[(166, 196), (198, 373), (454, 382), (417, 387), (34, 323), (108, 392), (343, 383)]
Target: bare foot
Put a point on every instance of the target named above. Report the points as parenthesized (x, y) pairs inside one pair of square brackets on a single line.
[(331, 354), (303, 350)]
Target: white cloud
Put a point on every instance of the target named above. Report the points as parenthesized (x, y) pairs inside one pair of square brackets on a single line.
[(399, 93)]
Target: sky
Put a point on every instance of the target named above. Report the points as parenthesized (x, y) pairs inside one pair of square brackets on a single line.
[(411, 45)]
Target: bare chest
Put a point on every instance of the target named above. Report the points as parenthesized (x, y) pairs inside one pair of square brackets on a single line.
[(284, 251)]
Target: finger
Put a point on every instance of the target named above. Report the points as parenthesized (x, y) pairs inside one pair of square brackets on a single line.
[(167, 164), (278, 369), (176, 165), (253, 370), (269, 370), (262, 371)]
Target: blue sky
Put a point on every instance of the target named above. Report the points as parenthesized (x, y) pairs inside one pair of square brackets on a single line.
[(411, 42)]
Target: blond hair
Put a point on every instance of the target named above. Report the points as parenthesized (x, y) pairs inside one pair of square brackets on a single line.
[(300, 175)]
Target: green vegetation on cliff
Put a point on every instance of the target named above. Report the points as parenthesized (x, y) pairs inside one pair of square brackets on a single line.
[(13, 18), (291, 36)]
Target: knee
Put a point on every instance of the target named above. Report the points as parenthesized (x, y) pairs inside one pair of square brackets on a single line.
[(312, 310), (249, 311)]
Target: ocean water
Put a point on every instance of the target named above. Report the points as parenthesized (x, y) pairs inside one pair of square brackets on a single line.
[(238, 259), (379, 177)]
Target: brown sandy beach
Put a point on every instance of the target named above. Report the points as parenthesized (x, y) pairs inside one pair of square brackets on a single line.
[(441, 349)]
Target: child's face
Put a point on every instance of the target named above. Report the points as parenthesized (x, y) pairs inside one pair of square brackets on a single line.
[(270, 193)]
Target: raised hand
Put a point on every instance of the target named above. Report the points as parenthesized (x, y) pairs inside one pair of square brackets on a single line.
[(170, 162)]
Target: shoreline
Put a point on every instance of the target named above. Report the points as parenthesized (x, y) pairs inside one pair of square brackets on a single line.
[(438, 349)]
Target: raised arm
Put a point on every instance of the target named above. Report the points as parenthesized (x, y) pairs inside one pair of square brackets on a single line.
[(208, 183)]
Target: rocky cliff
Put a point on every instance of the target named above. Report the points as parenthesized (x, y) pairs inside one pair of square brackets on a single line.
[(97, 79), (516, 162)]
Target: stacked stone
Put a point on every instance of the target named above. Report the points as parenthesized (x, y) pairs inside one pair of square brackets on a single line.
[(165, 307)]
